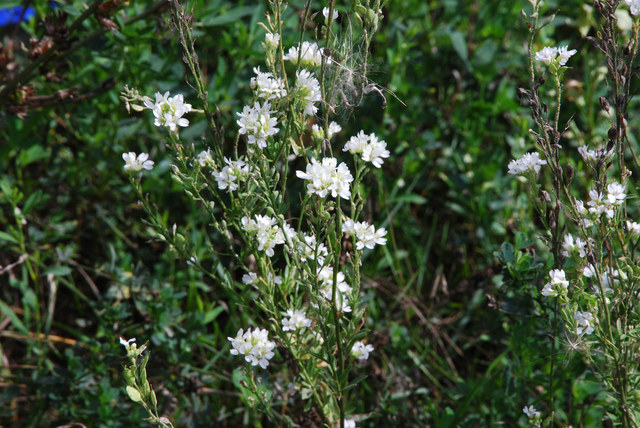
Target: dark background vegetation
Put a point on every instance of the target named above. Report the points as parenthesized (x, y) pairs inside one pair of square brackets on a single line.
[(459, 341)]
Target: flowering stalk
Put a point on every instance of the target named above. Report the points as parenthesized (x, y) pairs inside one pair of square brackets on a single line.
[(282, 232), (138, 387), (592, 281)]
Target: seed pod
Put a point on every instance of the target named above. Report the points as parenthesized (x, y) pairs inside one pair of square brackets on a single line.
[(613, 131), (569, 175), (604, 104)]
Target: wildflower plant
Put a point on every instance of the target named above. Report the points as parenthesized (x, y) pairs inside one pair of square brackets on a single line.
[(282, 197), (138, 387), (583, 197)]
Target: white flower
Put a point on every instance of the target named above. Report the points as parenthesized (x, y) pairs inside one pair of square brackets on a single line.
[(558, 284), (297, 320), (583, 320), (318, 133), (528, 162), (254, 345), (366, 234), (531, 412), (127, 343), (564, 54), (556, 56), (267, 232), (633, 228), (600, 204), (327, 178), (308, 91), (368, 146), (349, 423), (249, 278), (135, 164), (634, 6), (132, 349), (570, 246), (311, 250), (357, 143), (169, 110), (606, 278), (309, 53), (546, 55), (361, 351), (325, 277), (375, 151), (276, 279), (593, 153), (325, 280), (256, 122), (232, 174), (325, 13), (272, 39), (615, 193), (267, 86), (583, 214), (205, 159)]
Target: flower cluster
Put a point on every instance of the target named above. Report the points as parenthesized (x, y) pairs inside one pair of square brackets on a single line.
[(528, 162), (594, 153), (254, 345), (361, 351), (368, 146), (600, 203), (327, 178), (571, 246), (297, 320), (633, 228), (266, 86), (169, 110), (307, 90), (205, 159), (555, 56), (272, 40), (318, 133), (266, 231), (365, 233), (256, 122), (634, 6), (583, 322), (325, 278), (135, 164), (607, 279), (308, 248), (558, 284), (231, 175), (309, 54)]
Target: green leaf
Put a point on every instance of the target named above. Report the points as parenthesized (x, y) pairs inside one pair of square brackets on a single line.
[(212, 314), (5, 309), (4, 236), (411, 198), (58, 270), (459, 45), (31, 155), (32, 201), (225, 18)]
